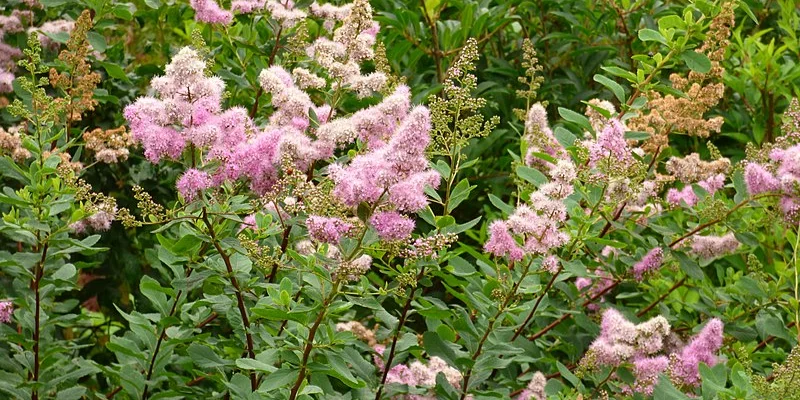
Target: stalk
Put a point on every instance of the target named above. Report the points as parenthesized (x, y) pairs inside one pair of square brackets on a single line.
[(239, 298), (396, 336), (310, 342)]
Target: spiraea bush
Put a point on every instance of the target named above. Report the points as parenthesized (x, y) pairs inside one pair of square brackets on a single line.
[(390, 200)]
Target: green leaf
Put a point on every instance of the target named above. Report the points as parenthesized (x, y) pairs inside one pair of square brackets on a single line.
[(204, 357), (689, 266), (743, 5), (697, 62), (97, 41), (671, 21), (574, 117), (636, 135), (251, 364), (435, 346), (649, 35), (280, 378), (568, 375), (363, 211), (65, 273), (614, 87), (564, 137), (53, 3), (115, 71), (531, 175), (459, 194), (155, 293), (501, 205), (665, 390)]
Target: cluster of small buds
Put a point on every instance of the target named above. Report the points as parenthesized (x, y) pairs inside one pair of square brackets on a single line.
[(417, 374), (150, 210), (535, 389), (649, 263), (6, 310), (457, 105), (110, 145), (358, 330), (691, 168), (11, 144), (262, 256), (428, 246), (352, 270), (782, 379), (708, 247)]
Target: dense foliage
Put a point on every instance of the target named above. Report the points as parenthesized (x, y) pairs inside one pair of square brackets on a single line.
[(399, 200)]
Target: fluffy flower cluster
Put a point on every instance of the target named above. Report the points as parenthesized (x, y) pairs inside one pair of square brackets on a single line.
[(610, 147), (351, 44), (643, 345), (8, 54), (99, 221), (649, 263), (192, 182), (392, 226), (540, 138), (621, 340), (780, 175), (714, 246), (687, 195), (710, 175), (210, 11), (394, 173), (535, 388), (537, 223), (109, 146), (11, 144), (701, 349), (418, 374), (185, 112), (327, 229), (6, 309)]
